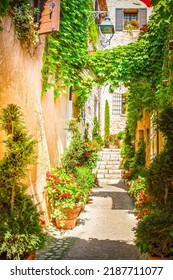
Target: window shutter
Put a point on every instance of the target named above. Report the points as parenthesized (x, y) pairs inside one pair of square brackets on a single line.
[(50, 16), (142, 17), (119, 19)]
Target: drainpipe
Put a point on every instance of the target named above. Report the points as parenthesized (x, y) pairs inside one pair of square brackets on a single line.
[(69, 114)]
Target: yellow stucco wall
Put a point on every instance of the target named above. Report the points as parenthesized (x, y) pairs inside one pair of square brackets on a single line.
[(143, 131), (45, 117), (153, 138)]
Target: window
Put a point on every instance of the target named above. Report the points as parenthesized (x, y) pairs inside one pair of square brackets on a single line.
[(118, 104), (137, 17)]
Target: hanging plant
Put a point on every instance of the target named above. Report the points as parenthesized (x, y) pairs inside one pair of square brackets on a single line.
[(26, 28)]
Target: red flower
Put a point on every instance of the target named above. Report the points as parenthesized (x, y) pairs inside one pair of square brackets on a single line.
[(64, 195), (147, 212), (139, 216), (86, 153), (43, 223)]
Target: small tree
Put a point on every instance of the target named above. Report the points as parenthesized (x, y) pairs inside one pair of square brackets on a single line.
[(107, 118), (74, 154), (96, 131), (20, 230)]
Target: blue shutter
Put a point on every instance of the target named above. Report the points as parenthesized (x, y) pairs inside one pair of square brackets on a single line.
[(142, 17), (119, 19)]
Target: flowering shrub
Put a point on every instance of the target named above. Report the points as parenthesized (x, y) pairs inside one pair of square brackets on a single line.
[(111, 139), (63, 191), (145, 204), (91, 154)]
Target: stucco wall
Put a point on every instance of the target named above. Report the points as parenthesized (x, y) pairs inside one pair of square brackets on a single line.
[(45, 118)]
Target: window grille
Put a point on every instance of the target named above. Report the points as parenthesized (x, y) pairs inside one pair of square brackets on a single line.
[(118, 102)]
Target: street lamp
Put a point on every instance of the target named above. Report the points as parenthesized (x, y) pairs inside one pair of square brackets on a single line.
[(106, 30), (105, 26)]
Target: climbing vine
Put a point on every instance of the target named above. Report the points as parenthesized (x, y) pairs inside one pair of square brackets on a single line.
[(141, 66), (67, 51)]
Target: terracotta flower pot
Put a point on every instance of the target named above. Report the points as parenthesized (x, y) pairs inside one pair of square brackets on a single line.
[(71, 217), (30, 256), (156, 258), (66, 223)]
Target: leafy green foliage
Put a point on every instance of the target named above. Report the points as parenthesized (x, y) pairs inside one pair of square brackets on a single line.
[(4, 8), (160, 177), (91, 153), (20, 231), (111, 139), (153, 235), (67, 51), (141, 65), (63, 191), (24, 23), (134, 161), (107, 118), (85, 178), (96, 131), (74, 154)]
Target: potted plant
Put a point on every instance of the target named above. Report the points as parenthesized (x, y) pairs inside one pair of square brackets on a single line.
[(111, 141), (21, 232), (65, 196), (120, 136), (154, 235)]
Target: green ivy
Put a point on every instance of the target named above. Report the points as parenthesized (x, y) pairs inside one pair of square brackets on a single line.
[(67, 51), (141, 66)]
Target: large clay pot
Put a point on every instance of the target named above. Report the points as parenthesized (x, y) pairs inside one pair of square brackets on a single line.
[(157, 258), (71, 217), (66, 223), (30, 256)]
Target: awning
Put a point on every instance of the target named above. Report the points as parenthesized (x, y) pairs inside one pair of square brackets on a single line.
[(146, 2)]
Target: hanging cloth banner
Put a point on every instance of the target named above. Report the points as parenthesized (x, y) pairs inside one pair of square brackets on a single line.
[(146, 2)]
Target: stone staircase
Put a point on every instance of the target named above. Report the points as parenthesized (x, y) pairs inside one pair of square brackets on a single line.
[(108, 167)]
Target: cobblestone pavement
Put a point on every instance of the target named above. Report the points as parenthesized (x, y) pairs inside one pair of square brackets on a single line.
[(103, 231)]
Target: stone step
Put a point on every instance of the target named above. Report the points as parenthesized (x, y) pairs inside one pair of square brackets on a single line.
[(109, 167), (108, 154), (108, 162), (111, 159), (108, 181), (110, 150), (109, 176), (109, 171)]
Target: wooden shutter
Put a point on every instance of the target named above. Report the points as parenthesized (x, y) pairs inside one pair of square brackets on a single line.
[(142, 17), (102, 5), (50, 16), (119, 19)]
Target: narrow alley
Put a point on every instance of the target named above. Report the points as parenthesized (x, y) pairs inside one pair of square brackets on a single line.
[(104, 228)]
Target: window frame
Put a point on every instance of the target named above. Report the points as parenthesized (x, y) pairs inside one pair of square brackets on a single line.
[(120, 17)]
